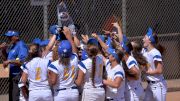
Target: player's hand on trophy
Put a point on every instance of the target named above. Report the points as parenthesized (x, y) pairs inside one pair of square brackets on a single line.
[(67, 32), (94, 35)]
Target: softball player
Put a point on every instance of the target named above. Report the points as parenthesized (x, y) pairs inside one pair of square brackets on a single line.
[(115, 78), (157, 87), (91, 71), (63, 73), (35, 71), (134, 89)]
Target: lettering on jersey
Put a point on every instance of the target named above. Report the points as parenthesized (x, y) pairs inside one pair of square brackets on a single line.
[(73, 72), (67, 72), (38, 73)]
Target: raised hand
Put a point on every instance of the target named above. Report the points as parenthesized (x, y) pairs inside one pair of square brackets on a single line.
[(94, 35), (116, 25), (67, 33), (3, 45), (106, 32), (85, 38)]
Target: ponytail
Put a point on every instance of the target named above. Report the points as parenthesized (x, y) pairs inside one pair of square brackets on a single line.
[(160, 48), (92, 53), (93, 69)]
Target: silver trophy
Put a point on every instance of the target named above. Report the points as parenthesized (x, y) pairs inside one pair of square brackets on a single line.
[(64, 19)]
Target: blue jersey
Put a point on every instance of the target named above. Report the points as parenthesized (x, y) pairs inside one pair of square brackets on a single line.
[(18, 51)]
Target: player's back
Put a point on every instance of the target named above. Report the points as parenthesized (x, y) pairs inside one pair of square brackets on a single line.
[(37, 73), (66, 74), (88, 71)]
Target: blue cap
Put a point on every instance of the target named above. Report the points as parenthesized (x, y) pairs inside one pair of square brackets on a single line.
[(93, 41), (44, 42), (113, 53), (125, 47), (54, 29), (84, 55), (11, 33), (65, 49), (150, 35), (36, 41)]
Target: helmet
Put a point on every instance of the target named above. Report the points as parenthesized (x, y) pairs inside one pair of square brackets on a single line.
[(93, 41), (65, 49)]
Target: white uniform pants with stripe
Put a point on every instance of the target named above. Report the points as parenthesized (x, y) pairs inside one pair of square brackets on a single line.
[(93, 94), (134, 94), (156, 91), (40, 95), (66, 95)]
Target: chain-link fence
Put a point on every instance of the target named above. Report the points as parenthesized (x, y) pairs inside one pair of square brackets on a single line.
[(32, 19)]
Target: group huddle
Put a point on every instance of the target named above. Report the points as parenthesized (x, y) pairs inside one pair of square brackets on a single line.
[(104, 67)]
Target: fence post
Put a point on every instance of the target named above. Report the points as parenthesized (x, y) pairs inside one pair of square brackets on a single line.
[(124, 16), (45, 20)]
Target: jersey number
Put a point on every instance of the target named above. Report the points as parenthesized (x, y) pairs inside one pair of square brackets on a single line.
[(38, 73), (67, 73)]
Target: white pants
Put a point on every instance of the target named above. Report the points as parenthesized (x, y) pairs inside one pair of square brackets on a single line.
[(93, 94), (156, 92), (40, 95), (134, 93), (66, 95)]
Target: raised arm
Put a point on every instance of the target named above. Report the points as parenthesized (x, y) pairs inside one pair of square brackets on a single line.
[(68, 35), (50, 45), (120, 34), (103, 45)]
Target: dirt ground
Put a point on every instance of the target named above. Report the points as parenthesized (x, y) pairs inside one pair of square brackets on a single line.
[(173, 96)]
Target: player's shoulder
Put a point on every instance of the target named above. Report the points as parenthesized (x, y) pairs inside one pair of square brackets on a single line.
[(131, 60), (119, 67), (155, 52), (55, 63)]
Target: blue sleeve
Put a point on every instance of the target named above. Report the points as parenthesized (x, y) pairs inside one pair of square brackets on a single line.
[(23, 51)]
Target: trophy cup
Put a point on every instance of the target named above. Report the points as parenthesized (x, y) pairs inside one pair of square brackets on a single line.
[(64, 19)]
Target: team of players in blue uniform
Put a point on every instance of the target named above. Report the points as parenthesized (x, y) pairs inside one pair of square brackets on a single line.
[(102, 68)]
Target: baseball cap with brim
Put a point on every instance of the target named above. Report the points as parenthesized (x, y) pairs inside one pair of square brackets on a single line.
[(113, 53), (11, 33), (44, 42), (65, 49), (125, 47), (36, 41), (150, 35)]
